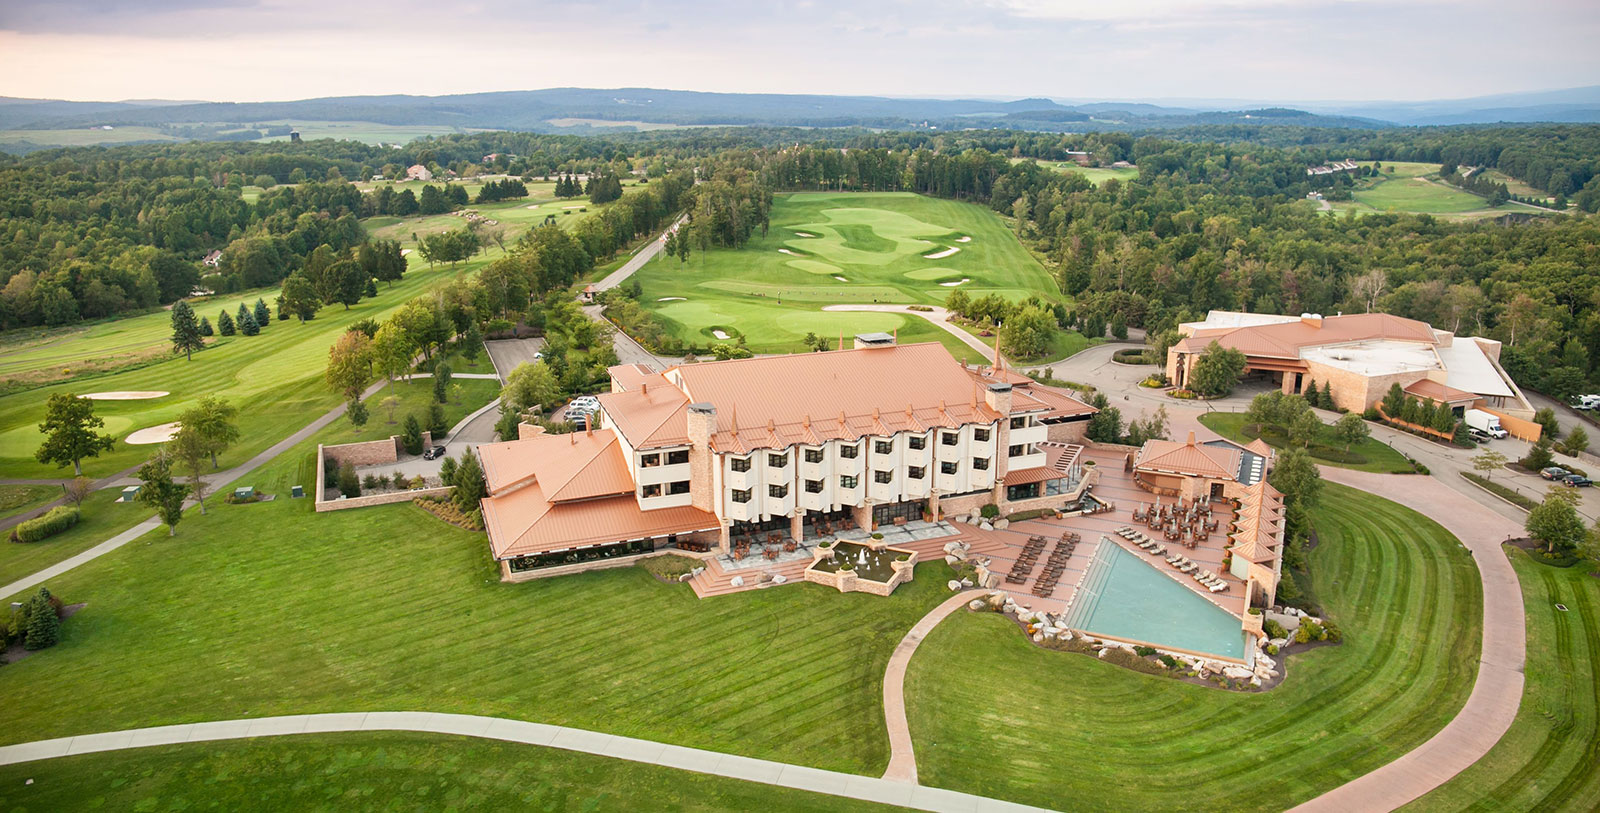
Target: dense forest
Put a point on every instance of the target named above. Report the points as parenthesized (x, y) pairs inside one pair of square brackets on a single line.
[(1207, 223)]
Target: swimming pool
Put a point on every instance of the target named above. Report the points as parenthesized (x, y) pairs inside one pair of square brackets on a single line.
[(1123, 596)]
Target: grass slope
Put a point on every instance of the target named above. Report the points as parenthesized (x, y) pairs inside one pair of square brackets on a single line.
[(771, 290), (265, 609), (993, 714), (14, 499), (100, 518), (1547, 760), (1368, 455), (386, 771)]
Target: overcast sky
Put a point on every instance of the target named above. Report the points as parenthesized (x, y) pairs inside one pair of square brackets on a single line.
[(257, 50)]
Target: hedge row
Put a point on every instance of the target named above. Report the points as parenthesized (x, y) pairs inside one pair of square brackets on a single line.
[(54, 521)]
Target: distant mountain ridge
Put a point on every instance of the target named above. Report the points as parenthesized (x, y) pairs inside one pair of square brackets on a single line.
[(588, 109)]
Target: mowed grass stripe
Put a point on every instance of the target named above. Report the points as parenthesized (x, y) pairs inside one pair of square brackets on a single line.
[(272, 609), (1071, 726)]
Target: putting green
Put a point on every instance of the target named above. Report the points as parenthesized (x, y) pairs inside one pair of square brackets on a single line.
[(875, 241)]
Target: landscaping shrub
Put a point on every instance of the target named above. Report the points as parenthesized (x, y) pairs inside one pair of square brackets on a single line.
[(349, 485), (400, 481), (446, 510), (436, 423), (1274, 629), (1501, 491), (1124, 658), (989, 511), (52, 522), (1171, 662), (447, 471), (372, 483), (1272, 649), (1144, 651), (411, 435), (41, 621), (1309, 631)]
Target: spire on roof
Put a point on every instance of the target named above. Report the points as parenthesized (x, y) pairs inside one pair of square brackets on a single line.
[(997, 349)]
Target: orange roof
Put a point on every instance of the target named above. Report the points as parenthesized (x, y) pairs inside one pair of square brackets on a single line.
[(629, 377), (1059, 402), (649, 416), (524, 522), (1428, 388), (1260, 447), (1256, 540), (1190, 458), (576, 466), (1037, 474), (1285, 339)]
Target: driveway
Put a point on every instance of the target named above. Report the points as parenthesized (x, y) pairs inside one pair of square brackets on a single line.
[(507, 354)]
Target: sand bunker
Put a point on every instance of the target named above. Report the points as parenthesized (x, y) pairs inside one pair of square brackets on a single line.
[(955, 282), (719, 334), (153, 434), (406, 252), (965, 240), (939, 255), (790, 253), (574, 206), (803, 234), (670, 299), (125, 395), (839, 278)]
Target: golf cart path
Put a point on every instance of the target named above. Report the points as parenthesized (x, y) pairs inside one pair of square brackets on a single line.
[(902, 756), (815, 780), (215, 481), (1497, 692), (940, 318)]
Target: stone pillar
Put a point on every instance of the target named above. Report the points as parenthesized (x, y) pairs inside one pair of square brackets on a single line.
[(724, 537), (1288, 383), (998, 397), (933, 504), (862, 514), (505, 570), (702, 420), (797, 524)]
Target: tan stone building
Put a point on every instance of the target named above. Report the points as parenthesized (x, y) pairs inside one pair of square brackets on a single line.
[(1359, 356), (691, 457)]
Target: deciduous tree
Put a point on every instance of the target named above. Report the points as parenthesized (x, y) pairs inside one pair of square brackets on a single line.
[(158, 490), (69, 435)]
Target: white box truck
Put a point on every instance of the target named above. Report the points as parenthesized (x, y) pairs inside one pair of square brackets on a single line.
[(1485, 423), (1586, 402)]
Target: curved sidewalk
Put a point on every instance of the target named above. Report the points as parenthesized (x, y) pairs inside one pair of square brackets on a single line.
[(815, 780), (1498, 691), (902, 756)]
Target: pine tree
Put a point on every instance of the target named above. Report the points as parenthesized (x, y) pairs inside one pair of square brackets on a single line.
[(43, 625), (205, 327), (1312, 395), (263, 316), (225, 324), (185, 330), (469, 484), (411, 435), (372, 288), (436, 424), (1327, 396), (447, 471), (247, 323)]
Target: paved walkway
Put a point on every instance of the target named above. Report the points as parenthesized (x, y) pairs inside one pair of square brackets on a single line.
[(832, 783), (939, 317), (902, 757), (645, 254), (1498, 691)]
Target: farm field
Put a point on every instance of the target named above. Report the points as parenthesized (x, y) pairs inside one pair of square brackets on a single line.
[(824, 249), (1547, 760), (1095, 174), (1368, 455), (516, 216), (1414, 187), (388, 608), (364, 131), (353, 770), (81, 137), (1406, 595)]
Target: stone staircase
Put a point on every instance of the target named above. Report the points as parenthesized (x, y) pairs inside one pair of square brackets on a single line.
[(714, 581)]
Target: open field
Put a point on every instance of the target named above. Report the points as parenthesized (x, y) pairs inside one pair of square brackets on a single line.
[(1368, 455), (1094, 174), (100, 518), (1415, 187), (82, 136), (771, 290), (1547, 760), (365, 131), (381, 770), (1069, 726), (262, 609), (14, 499), (642, 126)]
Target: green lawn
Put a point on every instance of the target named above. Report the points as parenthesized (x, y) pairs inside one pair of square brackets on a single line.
[(364, 131), (14, 499), (381, 770), (1547, 760), (1063, 343), (772, 290), (1096, 175), (101, 517), (993, 714), (265, 609), (1368, 455), (82, 137)]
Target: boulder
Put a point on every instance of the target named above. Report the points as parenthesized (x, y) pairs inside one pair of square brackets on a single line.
[(1237, 672), (1038, 637), (738, 581), (953, 585), (966, 583), (952, 560), (1256, 682), (1279, 642), (1050, 630), (1002, 524), (977, 604), (779, 578), (984, 525)]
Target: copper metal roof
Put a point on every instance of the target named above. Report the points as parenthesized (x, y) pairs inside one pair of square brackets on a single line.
[(1285, 339), (629, 377), (575, 466), (1195, 459), (524, 522), (1428, 388), (650, 416)]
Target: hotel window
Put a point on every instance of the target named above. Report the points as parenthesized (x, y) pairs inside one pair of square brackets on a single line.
[(980, 435), (649, 461), (652, 490), (980, 463), (1014, 450), (741, 495), (777, 461), (949, 438), (813, 455), (916, 472), (917, 442), (848, 452), (680, 456), (947, 467), (813, 486), (740, 464), (848, 481), (679, 487), (777, 491), (883, 477), (1019, 422), (882, 446)]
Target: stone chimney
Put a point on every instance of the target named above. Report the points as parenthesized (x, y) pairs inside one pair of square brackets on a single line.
[(998, 397), (527, 430), (702, 419)]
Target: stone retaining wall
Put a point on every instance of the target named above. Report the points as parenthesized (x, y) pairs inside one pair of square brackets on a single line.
[(365, 453), (384, 498)]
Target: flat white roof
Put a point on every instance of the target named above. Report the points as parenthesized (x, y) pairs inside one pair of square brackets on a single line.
[(1375, 357), (1216, 319), (1467, 368)]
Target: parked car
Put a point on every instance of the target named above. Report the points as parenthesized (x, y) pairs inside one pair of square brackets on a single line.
[(1577, 481), (1553, 473), (1478, 435), (1586, 402), (434, 453)]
